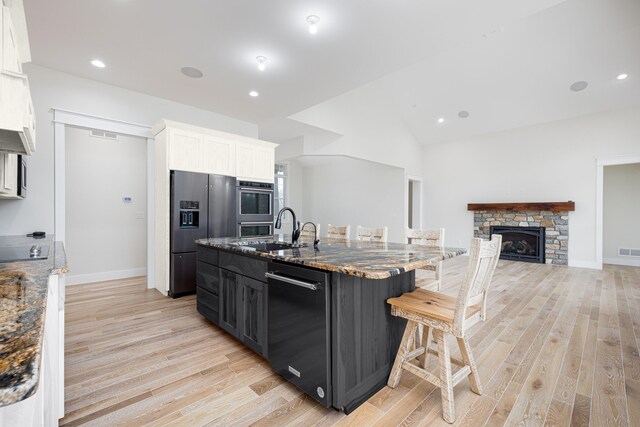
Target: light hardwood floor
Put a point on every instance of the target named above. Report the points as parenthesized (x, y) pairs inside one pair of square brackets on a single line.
[(560, 347)]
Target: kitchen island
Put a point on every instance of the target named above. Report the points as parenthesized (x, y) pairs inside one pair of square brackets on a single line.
[(321, 318)]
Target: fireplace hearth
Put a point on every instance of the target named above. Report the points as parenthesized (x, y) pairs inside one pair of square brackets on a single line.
[(521, 243)]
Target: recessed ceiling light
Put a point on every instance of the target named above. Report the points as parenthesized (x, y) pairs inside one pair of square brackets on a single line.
[(194, 73), (261, 62), (313, 23), (97, 63), (440, 120), (578, 86), (253, 93), (463, 114), (622, 76)]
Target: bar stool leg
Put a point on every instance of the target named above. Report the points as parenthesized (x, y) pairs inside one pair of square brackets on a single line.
[(446, 387), (467, 356), (405, 346), (424, 343)]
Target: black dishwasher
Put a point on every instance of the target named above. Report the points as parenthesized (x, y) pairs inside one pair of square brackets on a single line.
[(298, 336)]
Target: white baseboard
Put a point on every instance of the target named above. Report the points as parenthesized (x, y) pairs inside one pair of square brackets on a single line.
[(631, 262), (80, 279), (584, 264)]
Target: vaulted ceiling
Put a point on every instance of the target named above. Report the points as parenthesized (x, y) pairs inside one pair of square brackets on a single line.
[(508, 63)]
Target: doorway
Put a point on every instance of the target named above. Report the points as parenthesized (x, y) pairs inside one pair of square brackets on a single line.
[(414, 200), (105, 205), (621, 203), (601, 163)]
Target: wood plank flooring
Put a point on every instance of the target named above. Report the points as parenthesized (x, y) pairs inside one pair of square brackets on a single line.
[(559, 347)]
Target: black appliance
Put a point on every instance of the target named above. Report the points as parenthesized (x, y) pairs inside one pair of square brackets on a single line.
[(201, 206), (298, 328), (255, 229), (22, 176), (255, 201)]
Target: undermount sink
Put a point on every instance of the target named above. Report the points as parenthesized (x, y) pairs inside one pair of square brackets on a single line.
[(270, 246)]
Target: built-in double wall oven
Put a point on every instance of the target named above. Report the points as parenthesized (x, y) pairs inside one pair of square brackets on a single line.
[(254, 213)]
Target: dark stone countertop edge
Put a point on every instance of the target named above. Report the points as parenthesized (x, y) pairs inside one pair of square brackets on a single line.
[(344, 268), (21, 378)]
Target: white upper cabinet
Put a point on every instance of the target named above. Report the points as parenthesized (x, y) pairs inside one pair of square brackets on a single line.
[(195, 149), (219, 156), (17, 118), (254, 162), (185, 150)]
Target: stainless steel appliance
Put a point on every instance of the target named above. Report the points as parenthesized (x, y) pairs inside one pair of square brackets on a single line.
[(201, 206), (299, 338), (24, 253), (255, 229), (255, 201)]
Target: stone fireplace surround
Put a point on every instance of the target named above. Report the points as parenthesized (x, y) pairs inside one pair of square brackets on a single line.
[(551, 215)]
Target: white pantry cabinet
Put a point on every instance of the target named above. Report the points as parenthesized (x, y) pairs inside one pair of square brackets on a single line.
[(17, 118), (179, 146)]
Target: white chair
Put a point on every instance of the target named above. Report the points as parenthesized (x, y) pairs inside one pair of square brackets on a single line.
[(433, 238), (378, 234), (446, 315), (338, 232)]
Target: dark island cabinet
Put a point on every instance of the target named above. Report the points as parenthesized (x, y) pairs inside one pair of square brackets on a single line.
[(229, 305), (230, 296), (208, 291), (254, 315)]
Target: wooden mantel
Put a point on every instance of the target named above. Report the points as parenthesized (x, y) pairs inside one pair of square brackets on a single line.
[(524, 206)]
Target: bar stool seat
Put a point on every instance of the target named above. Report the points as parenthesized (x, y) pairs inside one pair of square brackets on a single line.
[(430, 304)]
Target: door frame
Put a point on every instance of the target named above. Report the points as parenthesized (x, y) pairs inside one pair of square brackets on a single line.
[(415, 179), (63, 118), (601, 162)]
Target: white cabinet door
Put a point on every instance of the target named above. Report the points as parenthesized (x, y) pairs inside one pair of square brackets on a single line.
[(265, 160), (254, 162), (219, 156), (16, 109), (245, 160), (8, 174), (185, 150), (10, 57)]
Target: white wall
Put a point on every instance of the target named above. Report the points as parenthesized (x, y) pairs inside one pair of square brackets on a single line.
[(341, 190), (370, 129), (53, 89), (105, 238), (550, 162), (621, 204)]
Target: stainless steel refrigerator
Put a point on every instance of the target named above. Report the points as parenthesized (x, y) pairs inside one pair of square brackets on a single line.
[(201, 206)]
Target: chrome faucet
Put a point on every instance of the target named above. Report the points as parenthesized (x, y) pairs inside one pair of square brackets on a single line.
[(315, 233), (295, 233)]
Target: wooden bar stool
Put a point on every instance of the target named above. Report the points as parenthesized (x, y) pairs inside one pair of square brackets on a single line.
[(372, 234), (338, 232), (446, 315), (432, 238)]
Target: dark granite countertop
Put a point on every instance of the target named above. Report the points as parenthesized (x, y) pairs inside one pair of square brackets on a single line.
[(23, 300), (371, 260)]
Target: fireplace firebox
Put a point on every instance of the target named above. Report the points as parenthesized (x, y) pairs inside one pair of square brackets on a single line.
[(521, 243)]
